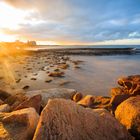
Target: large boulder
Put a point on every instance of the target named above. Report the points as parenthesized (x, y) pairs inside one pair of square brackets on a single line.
[(18, 125), (52, 93), (63, 119), (34, 102), (128, 113)]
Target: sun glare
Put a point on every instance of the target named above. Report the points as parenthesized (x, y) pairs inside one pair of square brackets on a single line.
[(7, 38), (10, 17)]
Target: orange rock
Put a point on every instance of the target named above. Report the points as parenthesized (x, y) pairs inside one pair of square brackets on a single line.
[(65, 120), (77, 97), (128, 113)]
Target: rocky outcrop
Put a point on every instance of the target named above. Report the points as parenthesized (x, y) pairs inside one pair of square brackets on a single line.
[(128, 113), (34, 102), (52, 93), (131, 84), (18, 125), (129, 87), (92, 101), (63, 119)]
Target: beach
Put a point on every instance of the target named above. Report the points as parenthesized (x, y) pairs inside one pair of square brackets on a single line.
[(85, 73)]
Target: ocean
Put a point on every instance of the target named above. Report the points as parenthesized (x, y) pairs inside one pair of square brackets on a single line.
[(98, 74)]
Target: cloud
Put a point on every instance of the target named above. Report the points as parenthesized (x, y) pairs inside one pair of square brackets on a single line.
[(134, 35), (78, 20)]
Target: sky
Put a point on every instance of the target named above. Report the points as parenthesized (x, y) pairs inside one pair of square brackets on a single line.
[(70, 22)]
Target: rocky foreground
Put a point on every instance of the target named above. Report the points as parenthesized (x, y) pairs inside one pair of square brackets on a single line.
[(60, 114)]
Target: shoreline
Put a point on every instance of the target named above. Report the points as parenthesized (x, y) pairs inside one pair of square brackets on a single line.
[(86, 51)]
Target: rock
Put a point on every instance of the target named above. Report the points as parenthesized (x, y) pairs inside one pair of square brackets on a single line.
[(77, 97), (18, 125), (26, 87), (116, 91), (4, 94), (33, 78), (102, 102), (63, 66), (4, 108), (56, 74), (128, 113), (1, 102), (118, 96), (48, 80), (34, 102), (86, 101), (65, 120), (131, 83), (52, 93), (15, 100)]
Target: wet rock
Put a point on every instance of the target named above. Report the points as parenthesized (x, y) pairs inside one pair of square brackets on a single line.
[(48, 80), (33, 78), (118, 95), (63, 66), (34, 102), (4, 94), (128, 113), (102, 102), (86, 101), (1, 102), (52, 93), (131, 83), (4, 108), (56, 74), (18, 125), (63, 119), (77, 97), (26, 87), (17, 81), (15, 100)]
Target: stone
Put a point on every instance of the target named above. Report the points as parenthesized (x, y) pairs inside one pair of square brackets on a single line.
[(18, 125), (15, 100), (86, 101), (34, 102), (65, 120), (52, 93), (102, 102), (117, 99), (63, 66), (4, 94), (128, 113), (131, 83), (1, 102), (56, 74), (77, 97), (4, 108)]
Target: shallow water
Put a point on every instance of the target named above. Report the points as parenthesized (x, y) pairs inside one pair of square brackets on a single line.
[(96, 75), (100, 73)]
